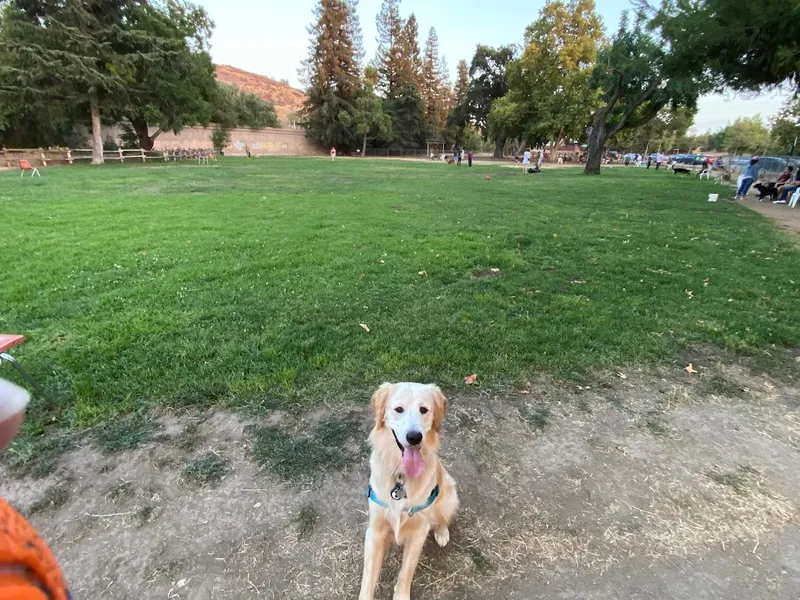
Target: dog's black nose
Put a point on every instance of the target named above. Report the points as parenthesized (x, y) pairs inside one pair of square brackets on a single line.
[(414, 437)]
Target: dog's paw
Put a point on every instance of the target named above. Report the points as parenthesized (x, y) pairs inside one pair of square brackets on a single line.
[(442, 536)]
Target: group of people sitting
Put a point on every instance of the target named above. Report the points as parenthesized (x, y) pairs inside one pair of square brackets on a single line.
[(780, 189)]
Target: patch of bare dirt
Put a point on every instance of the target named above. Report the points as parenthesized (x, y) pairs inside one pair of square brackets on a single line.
[(639, 485), (785, 217)]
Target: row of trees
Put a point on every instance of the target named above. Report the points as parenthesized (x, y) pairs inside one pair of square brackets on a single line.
[(569, 82), (400, 99), (141, 63)]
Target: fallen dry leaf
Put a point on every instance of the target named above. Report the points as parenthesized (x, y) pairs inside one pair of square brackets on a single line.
[(706, 282), (382, 261), (621, 375), (689, 293), (364, 327), (494, 270), (690, 369), (423, 273), (578, 281), (524, 391), (471, 379)]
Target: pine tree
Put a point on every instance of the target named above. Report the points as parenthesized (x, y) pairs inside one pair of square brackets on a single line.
[(445, 93), (331, 74), (462, 83), (430, 81), (410, 72), (389, 57)]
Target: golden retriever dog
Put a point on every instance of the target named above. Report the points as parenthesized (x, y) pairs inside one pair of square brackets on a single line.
[(409, 491)]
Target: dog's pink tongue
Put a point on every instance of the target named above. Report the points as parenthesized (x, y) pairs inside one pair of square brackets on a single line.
[(413, 464)]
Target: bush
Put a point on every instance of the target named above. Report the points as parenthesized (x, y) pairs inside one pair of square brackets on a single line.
[(220, 138)]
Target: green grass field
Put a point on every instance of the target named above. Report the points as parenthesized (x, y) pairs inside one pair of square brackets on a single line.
[(243, 284)]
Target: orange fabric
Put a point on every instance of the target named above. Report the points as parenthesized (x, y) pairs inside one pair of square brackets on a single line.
[(9, 341), (28, 570), (17, 587)]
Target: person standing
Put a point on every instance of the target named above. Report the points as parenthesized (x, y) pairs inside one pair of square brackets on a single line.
[(748, 178), (659, 160), (526, 160), (459, 154), (469, 158), (333, 153)]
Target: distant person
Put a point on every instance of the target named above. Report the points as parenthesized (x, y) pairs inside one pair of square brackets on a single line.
[(460, 157), (526, 160), (469, 158), (333, 153), (649, 160), (659, 159), (785, 177), (749, 177), (788, 189)]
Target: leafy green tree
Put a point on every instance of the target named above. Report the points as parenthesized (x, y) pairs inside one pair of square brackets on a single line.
[(786, 126), (73, 53), (744, 44), (406, 112), (177, 88), (332, 74), (665, 132), (369, 119), (746, 135), (549, 83), (637, 75), (488, 82)]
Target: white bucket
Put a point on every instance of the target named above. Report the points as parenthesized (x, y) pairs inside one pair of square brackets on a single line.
[(713, 197)]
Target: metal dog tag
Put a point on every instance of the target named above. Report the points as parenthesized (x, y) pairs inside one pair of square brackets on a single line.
[(398, 492)]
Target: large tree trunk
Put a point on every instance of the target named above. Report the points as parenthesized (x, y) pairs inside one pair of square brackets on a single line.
[(97, 134), (499, 144), (596, 142), (146, 141), (364, 147)]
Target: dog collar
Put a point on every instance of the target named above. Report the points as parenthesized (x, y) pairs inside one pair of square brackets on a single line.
[(410, 510)]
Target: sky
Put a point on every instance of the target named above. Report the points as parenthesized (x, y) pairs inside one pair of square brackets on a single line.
[(269, 37)]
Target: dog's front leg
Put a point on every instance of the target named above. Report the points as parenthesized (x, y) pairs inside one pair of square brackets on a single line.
[(412, 548), (375, 543)]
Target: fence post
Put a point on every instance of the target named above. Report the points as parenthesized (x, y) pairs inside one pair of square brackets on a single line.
[(69, 156), (144, 158), (44, 159), (5, 158), (121, 156)]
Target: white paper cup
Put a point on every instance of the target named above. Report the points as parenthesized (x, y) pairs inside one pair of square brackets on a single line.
[(713, 197)]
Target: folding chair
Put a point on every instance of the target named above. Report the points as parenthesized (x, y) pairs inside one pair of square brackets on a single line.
[(6, 343), (795, 197), (24, 165)]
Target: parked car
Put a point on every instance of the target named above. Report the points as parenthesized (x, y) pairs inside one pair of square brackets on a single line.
[(613, 155)]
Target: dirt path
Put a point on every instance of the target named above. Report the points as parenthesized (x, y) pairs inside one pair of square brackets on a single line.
[(655, 485), (785, 217)]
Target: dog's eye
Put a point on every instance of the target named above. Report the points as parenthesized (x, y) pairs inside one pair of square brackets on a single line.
[(399, 409), (423, 410)]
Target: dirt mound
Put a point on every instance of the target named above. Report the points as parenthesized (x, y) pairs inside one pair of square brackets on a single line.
[(285, 98)]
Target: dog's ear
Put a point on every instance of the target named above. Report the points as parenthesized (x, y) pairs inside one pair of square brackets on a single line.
[(439, 408), (378, 403)]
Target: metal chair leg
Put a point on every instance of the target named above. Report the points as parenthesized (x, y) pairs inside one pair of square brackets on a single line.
[(31, 381)]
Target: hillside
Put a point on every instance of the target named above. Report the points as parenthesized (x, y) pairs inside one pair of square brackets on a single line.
[(285, 98)]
